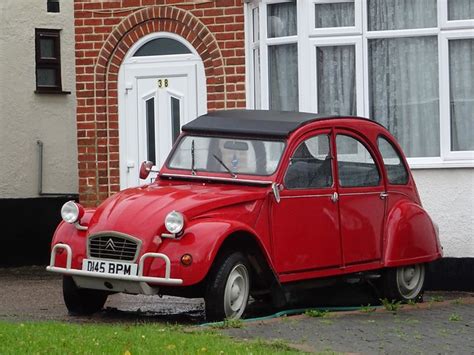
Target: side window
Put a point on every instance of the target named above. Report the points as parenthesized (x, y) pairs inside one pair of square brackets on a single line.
[(356, 165), (396, 171), (310, 165)]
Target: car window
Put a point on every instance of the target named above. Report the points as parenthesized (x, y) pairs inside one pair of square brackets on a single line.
[(397, 174), (220, 154), (355, 164), (310, 165)]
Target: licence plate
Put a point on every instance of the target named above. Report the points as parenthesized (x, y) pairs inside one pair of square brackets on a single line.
[(109, 267)]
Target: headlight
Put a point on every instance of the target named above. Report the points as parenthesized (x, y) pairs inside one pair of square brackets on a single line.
[(174, 222), (71, 212)]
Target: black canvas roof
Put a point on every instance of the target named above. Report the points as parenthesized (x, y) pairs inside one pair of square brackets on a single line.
[(252, 122)]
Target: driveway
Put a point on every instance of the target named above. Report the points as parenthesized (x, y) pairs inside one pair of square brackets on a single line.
[(443, 324)]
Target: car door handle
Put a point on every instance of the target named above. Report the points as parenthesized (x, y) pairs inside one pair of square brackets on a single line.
[(383, 195), (335, 197)]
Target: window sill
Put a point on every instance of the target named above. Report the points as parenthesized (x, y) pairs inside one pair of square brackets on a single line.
[(52, 92), (444, 165)]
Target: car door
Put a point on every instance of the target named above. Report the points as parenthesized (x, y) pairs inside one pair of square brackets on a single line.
[(305, 223), (361, 199)]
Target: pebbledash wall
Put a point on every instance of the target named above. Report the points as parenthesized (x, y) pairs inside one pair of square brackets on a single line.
[(106, 30)]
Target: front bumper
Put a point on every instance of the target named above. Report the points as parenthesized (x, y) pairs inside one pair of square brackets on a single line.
[(82, 274)]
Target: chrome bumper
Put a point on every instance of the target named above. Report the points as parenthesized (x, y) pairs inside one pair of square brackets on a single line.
[(167, 280)]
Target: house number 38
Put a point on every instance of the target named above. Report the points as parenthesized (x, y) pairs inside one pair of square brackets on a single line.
[(163, 83)]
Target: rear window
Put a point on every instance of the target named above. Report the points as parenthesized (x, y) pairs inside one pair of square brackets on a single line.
[(397, 174)]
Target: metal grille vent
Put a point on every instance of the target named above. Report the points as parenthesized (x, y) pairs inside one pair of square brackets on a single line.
[(112, 247)]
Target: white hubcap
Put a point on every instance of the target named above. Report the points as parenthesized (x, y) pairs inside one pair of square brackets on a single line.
[(410, 280), (236, 292)]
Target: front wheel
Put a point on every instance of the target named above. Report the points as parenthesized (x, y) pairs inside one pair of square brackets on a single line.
[(404, 283), (228, 288), (81, 301)]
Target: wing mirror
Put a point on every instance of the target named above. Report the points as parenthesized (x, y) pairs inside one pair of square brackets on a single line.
[(145, 169), (276, 191)]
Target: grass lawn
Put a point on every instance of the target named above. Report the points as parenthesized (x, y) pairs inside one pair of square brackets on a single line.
[(123, 339)]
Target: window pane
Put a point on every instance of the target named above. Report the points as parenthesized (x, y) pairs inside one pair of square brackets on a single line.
[(310, 165), (396, 172), (404, 92), (150, 129), (336, 80), (256, 73), (283, 77), (460, 9), (255, 24), (281, 20), (53, 5), (175, 118), (356, 168), (162, 46), (47, 48), (335, 15), (46, 77), (400, 14), (461, 83)]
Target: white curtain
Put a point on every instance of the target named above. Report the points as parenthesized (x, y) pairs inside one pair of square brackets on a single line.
[(404, 92), (283, 77), (334, 15), (401, 14), (336, 77), (460, 9), (282, 20), (461, 82)]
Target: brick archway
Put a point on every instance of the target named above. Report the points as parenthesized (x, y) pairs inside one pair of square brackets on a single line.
[(99, 169)]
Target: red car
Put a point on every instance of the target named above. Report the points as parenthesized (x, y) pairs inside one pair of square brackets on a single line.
[(248, 203)]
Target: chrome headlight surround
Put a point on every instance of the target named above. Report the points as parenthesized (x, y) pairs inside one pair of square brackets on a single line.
[(174, 222), (71, 212)]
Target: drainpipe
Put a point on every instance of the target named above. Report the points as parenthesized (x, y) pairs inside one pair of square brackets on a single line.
[(40, 176)]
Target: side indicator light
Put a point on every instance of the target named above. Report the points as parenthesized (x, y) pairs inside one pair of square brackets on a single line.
[(186, 259)]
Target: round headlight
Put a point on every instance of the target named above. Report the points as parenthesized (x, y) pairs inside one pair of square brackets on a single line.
[(174, 222), (71, 212)]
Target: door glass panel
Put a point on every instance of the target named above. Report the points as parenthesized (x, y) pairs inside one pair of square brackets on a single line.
[(46, 77), (281, 20), (460, 9), (47, 48), (162, 46), (396, 171), (175, 118), (310, 165), (461, 67), (336, 78), (335, 15), (401, 14), (150, 129), (356, 165), (283, 77)]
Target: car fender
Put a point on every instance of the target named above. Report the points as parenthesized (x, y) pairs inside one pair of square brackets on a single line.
[(411, 237), (202, 240), (67, 233)]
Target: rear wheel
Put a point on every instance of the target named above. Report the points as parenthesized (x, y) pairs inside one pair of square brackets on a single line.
[(228, 288), (81, 301), (404, 283)]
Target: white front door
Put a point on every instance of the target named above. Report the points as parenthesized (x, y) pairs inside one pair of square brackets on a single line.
[(158, 98)]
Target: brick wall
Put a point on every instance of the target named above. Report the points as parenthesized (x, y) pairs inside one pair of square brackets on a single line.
[(105, 30)]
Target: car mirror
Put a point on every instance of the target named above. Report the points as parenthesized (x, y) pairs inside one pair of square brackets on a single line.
[(276, 191), (145, 169), (233, 145)]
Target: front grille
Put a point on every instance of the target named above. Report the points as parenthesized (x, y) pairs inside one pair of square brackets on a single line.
[(113, 247)]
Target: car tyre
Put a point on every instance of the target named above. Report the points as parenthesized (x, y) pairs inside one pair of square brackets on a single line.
[(404, 283), (81, 301), (228, 288)]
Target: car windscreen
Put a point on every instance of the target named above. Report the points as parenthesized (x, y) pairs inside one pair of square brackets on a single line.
[(227, 155)]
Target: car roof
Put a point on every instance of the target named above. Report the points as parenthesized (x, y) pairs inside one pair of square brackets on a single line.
[(276, 124)]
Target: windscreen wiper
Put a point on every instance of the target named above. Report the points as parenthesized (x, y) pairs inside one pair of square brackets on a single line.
[(225, 166), (193, 170)]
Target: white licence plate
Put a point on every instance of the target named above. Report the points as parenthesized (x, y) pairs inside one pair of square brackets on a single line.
[(109, 267)]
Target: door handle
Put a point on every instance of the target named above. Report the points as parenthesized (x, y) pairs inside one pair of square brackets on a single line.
[(335, 197), (383, 195)]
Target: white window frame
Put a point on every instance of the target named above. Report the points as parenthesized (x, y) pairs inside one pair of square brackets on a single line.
[(335, 31), (309, 38), (445, 23)]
